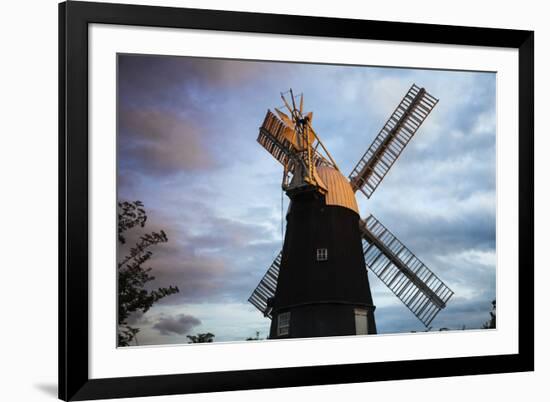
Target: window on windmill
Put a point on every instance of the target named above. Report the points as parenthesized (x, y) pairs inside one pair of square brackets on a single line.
[(283, 323), (361, 324), (322, 254)]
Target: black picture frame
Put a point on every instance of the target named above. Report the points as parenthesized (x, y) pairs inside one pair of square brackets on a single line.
[(74, 18)]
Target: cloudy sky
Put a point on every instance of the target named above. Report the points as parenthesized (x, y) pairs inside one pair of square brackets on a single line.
[(187, 149)]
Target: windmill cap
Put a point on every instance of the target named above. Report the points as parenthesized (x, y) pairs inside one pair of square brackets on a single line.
[(339, 189)]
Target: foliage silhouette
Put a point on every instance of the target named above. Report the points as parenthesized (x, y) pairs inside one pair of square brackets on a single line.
[(492, 323), (132, 276), (201, 338), (256, 338)]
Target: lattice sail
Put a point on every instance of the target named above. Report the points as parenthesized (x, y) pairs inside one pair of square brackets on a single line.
[(392, 139), (274, 137), (406, 276), (267, 287)]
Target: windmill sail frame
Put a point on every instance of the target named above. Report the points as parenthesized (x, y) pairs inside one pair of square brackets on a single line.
[(396, 133), (271, 137), (402, 272), (267, 287)]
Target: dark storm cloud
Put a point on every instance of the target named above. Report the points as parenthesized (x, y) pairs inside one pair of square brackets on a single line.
[(469, 313), (152, 79), (180, 324), (199, 278), (157, 142), (179, 263), (222, 234), (176, 262), (218, 264), (428, 235), (460, 313), (171, 116), (138, 318), (214, 268)]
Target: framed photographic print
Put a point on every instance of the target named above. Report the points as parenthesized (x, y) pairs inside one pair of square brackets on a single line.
[(258, 200)]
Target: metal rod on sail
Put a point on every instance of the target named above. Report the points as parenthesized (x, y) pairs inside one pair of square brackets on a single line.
[(304, 134), (322, 145), (286, 103)]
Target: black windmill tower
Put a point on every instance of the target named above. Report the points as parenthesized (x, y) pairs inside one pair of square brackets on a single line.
[(318, 284)]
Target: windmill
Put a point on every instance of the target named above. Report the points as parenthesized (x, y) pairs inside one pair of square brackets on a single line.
[(318, 283)]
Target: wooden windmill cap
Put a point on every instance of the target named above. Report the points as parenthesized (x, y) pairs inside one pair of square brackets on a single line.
[(339, 189)]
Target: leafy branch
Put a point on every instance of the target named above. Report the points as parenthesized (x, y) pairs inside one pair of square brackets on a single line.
[(132, 276)]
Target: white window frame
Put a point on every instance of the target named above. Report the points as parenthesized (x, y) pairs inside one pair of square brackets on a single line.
[(361, 321), (283, 323), (322, 254)]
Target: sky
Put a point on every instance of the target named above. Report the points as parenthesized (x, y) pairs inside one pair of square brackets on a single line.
[(187, 149)]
